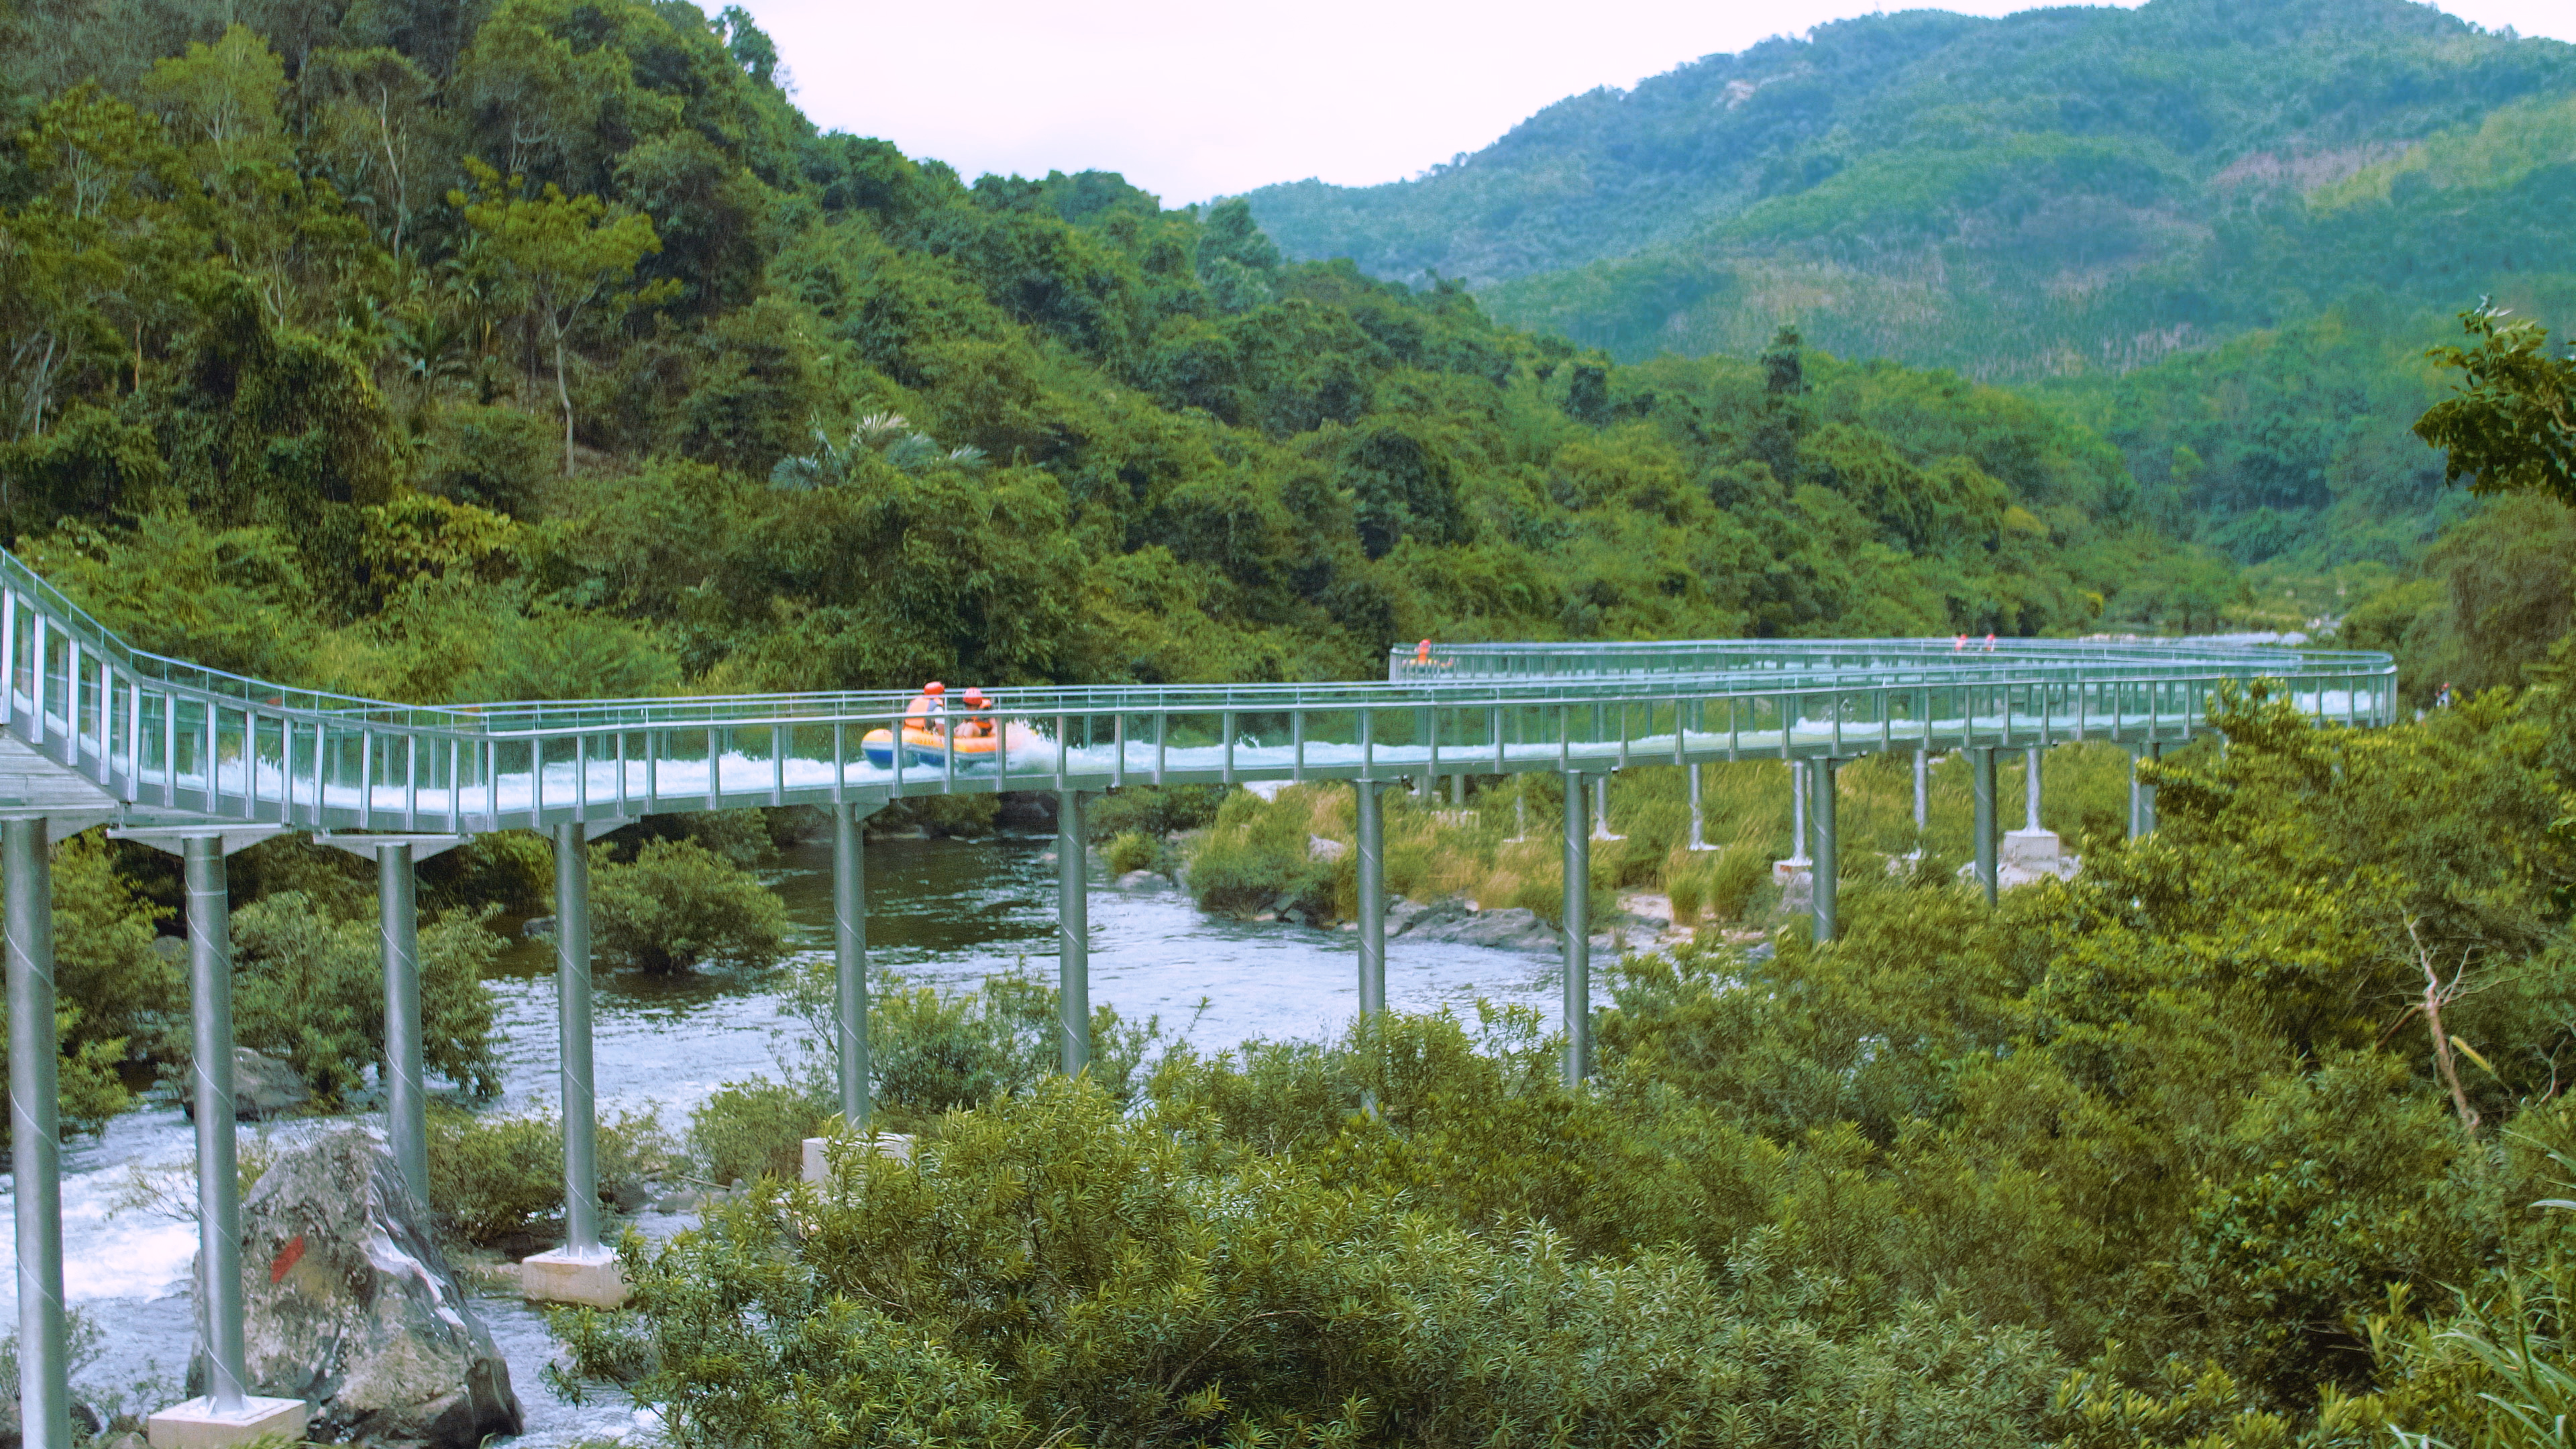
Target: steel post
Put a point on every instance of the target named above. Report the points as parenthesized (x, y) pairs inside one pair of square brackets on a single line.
[(1798, 813), (1073, 929), (1601, 808), (1823, 873), (406, 1095), (1922, 790), (44, 1365), (2134, 832), (1983, 761), (1699, 821), (850, 963), (572, 1001), (2142, 794), (2030, 791), (1372, 882), (210, 1013), (1578, 937)]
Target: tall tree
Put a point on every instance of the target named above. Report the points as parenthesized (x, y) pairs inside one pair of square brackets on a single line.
[(564, 254), (2511, 427)]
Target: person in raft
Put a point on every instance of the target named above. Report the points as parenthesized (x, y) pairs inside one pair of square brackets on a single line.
[(975, 726), (928, 712)]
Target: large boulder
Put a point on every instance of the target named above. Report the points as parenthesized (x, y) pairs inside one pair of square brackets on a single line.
[(352, 1307), (263, 1087)]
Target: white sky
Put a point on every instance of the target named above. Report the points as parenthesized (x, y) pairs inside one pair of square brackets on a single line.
[(1199, 98)]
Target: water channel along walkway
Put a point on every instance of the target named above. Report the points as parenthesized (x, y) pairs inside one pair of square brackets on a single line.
[(205, 763)]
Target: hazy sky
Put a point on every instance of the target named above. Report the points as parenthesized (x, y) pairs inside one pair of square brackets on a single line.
[(1198, 98)]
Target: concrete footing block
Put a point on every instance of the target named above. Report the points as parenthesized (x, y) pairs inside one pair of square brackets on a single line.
[(587, 1279), (195, 1424), (2033, 852), (818, 1162), (1796, 878)]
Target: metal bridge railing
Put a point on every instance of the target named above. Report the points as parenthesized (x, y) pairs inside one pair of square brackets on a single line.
[(169, 739)]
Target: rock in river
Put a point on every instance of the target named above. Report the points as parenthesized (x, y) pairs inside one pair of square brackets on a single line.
[(353, 1309), (263, 1087)]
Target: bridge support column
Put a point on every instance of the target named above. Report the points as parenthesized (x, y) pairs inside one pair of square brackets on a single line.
[(406, 1094), (210, 998), (1601, 808), (1699, 818), (1828, 861), (1073, 933), (2142, 796), (850, 965), (228, 1413), (44, 1365), (581, 1271), (1983, 761), (1372, 883), (2030, 790), (1798, 814), (1922, 790), (1578, 935)]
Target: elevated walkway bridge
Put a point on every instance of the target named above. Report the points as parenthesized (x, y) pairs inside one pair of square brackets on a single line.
[(201, 762)]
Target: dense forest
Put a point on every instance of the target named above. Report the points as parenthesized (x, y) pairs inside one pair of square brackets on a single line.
[(2066, 195), (543, 347)]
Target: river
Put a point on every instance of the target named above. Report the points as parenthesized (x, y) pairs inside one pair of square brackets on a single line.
[(943, 911)]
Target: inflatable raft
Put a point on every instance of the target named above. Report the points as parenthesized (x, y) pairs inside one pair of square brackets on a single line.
[(924, 750)]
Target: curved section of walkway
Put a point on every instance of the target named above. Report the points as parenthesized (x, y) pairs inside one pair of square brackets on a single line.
[(171, 742)]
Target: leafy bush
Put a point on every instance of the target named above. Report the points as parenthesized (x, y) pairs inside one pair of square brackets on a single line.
[(498, 1177), (1193, 1295), (753, 1128), (1256, 858), (1734, 879), (935, 1051), (679, 905), (1131, 850), (510, 871), (1154, 811), (309, 987)]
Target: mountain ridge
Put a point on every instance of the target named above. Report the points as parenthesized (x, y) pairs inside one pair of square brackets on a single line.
[(2048, 192)]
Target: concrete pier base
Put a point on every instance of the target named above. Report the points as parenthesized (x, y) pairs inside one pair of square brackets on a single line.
[(2033, 853), (194, 1424), (588, 1279), (2027, 857), (1796, 878), (818, 1159)]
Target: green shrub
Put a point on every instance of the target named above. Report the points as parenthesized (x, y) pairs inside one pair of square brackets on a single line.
[(936, 1050), (1131, 850), (1184, 1290), (309, 988), (494, 1177), (1737, 875), (510, 871), (753, 1128), (1154, 811), (1256, 858), (1685, 886), (679, 905)]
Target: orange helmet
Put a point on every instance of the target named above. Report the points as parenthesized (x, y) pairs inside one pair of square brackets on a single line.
[(934, 687), (974, 696)]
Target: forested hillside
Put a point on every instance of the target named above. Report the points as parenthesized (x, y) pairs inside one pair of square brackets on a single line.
[(542, 347), (2064, 195)]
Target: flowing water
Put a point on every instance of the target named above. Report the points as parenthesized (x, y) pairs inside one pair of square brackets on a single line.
[(947, 912)]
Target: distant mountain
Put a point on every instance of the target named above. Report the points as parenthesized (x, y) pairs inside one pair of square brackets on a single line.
[(2057, 193)]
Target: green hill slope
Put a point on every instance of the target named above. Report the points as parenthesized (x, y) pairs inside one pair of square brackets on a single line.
[(541, 348), (2063, 194)]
